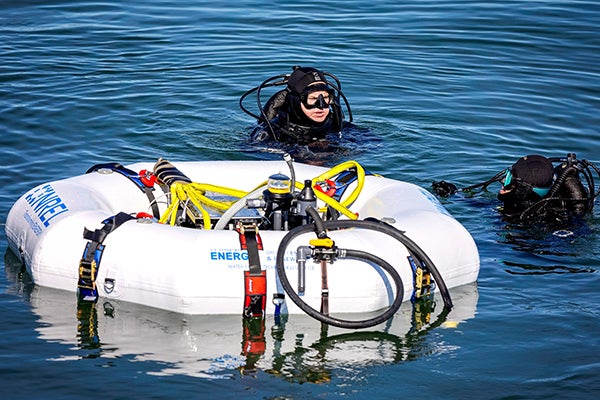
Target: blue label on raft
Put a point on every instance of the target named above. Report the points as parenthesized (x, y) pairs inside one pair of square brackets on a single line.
[(229, 255), (238, 259), (46, 204)]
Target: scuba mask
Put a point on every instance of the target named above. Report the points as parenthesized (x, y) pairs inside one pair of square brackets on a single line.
[(509, 179), (320, 102)]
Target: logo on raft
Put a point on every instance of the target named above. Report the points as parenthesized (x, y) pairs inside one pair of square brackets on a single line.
[(238, 259), (229, 255), (46, 204)]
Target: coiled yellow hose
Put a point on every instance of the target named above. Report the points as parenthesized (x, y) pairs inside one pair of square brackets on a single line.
[(182, 192)]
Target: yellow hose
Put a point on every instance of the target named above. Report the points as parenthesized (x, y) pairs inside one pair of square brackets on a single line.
[(196, 194), (348, 201)]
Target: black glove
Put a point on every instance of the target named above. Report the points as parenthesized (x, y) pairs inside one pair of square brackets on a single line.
[(443, 188)]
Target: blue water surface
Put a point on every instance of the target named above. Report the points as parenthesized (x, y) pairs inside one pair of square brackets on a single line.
[(452, 89)]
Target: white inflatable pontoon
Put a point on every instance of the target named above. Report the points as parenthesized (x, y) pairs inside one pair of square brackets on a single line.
[(193, 240)]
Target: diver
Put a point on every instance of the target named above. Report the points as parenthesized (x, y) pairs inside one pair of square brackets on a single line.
[(306, 111), (533, 188)]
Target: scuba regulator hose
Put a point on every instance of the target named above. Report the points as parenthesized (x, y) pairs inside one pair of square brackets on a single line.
[(320, 228)]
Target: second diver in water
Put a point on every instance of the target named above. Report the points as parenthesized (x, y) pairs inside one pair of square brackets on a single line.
[(533, 188)]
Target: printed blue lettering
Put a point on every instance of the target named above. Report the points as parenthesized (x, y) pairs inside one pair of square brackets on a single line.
[(231, 255), (51, 213), (47, 201), (37, 230), (46, 204), (39, 195)]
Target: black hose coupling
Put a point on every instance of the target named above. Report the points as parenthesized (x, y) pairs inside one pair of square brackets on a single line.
[(318, 222)]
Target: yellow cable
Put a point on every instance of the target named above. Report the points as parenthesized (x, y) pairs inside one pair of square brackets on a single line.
[(196, 193), (360, 179), (342, 206), (205, 214), (336, 205)]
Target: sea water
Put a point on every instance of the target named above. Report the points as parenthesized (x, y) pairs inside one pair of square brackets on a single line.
[(453, 90)]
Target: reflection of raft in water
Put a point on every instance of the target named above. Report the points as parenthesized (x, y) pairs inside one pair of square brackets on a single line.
[(296, 349), (210, 237)]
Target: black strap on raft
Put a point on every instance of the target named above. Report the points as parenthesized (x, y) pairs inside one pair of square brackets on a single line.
[(133, 177), (255, 279), (92, 255)]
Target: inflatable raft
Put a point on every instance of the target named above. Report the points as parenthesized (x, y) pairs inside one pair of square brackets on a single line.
[(243, 237)]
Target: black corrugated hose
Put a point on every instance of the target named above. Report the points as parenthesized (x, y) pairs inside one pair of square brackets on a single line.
[(414, 250)]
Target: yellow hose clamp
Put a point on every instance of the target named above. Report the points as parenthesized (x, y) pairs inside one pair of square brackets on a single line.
[(325, 242)]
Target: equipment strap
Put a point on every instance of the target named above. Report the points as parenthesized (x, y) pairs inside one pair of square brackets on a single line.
[(133, 177), (92, 255), (255, 279), (423, 286)]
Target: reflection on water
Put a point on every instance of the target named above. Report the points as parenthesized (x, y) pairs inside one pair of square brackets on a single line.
[(530, 269), (550, 247), (296, 348)]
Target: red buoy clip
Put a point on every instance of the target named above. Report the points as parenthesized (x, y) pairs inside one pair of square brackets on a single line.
[(327, 186), (147, 177)]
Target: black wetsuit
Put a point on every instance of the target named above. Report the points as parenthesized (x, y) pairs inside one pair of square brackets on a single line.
[(288, 124)]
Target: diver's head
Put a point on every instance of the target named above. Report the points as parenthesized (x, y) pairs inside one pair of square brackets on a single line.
[(301, 77), (310, 95), (528, 180)]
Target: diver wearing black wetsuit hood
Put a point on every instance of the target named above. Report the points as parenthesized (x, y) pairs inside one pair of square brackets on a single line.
[(533, 188), (306, 111)]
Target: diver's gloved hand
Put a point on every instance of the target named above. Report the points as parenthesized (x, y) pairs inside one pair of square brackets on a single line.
[(443, 188)]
